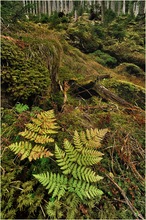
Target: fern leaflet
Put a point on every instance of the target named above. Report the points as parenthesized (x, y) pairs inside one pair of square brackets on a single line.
[(59, 184), (26, 150)]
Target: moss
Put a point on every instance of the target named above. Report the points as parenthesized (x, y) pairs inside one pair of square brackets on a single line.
[(131, 69), (127, 52), (128, 91), (83, 39), (104, 58), (19, 72)]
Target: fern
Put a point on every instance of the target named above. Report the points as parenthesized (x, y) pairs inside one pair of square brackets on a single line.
[(41, 127), (53, 182), (38, 133), (21, 107), (26, 150), (59, 184), (74, 160)]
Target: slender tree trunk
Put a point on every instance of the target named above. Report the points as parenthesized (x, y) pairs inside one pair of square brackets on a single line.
[(102, 10), (135, 8), (141, 7), (113, 5), (124, 7), (119, 7), (76, 16), (49, 8)]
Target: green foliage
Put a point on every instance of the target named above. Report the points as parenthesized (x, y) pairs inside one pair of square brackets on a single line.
[(21, 107), (74, 160), (38, 132), (99, 31), (127, 51), (44, 18), (56, 22), (59, 184), (104, 58), (117, 31), (109, 16), (82, 38), (12, 10)]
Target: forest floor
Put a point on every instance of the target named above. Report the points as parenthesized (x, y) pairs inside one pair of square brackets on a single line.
[(80, 54)]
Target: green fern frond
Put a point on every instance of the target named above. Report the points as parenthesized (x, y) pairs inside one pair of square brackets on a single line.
[(26, 150), (70, 151), (83, 189), (21, 107), (88, 159), (73, 162), (59, 184), (77, 141), (56, 183), (84, 173)]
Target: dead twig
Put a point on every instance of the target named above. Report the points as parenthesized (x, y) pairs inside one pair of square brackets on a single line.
[(132, 208), (43, 211)]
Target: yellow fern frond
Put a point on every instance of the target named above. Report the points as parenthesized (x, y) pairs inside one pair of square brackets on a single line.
[(22, 148), (26, 150), (40, 128), (43, 139), (30, 135), (39, 152)]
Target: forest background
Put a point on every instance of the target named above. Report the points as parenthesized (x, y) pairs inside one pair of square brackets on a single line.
[(72, 109)]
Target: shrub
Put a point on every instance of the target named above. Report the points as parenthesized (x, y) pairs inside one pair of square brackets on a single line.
[(44, 18), (84, 40), (104, 58), (109, 16)]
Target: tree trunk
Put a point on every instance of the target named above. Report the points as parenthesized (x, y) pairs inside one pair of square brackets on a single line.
[(76, 16), (113, 5), (141, 7), (102, 11), (49, 8), (124, 7), (108, 95), (119, 7)]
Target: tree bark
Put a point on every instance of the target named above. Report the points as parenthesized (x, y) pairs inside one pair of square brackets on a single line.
[(102, 11), (108, 95), (141, 7), (124, 7)]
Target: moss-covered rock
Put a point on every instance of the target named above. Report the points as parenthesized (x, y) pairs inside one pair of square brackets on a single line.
[(131, 69), (127, 52)]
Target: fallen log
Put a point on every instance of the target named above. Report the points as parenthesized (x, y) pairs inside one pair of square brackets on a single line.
[(108, 95), (94, 88)]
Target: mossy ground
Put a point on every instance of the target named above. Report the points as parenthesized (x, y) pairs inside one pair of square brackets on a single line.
[(123, 146)]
